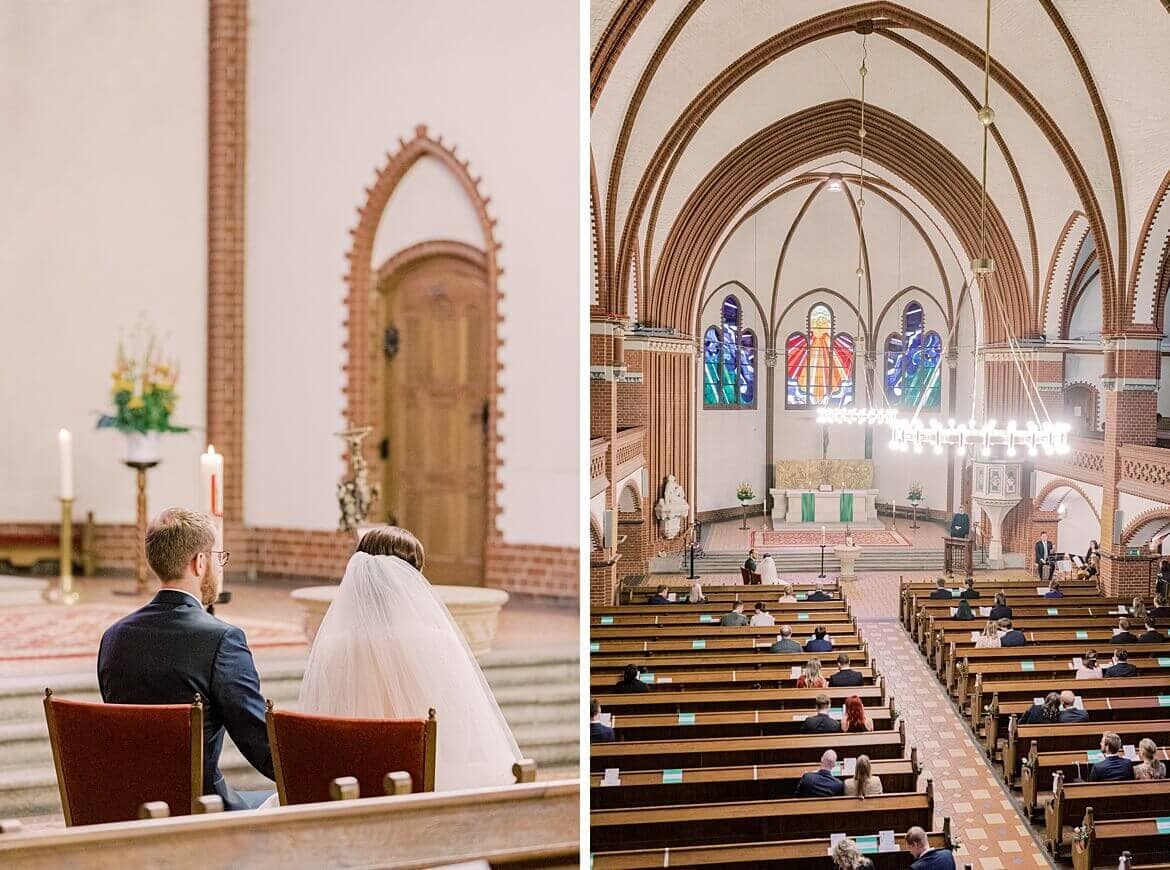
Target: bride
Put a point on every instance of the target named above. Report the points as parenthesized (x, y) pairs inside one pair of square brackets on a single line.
[(768, 574), (388, 648)]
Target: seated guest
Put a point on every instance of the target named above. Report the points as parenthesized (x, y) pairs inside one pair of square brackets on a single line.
[(1138, 609), (1093, 565), (1122, 634), (821, 782), (1011, 636), (819, 593), (598, 732), (762, 617), (964, 611), (1068, 708), (660, 597), (845, 675), (695, 595), (1000, 609), (752, 560), (925, 857), (1151, 634), (821, 722), (970, 591), (1114, 766), (940, 590), (789, 595), (856, 720), (1094, 549), (863, 784), (847, 856), (990, 637), (1089, 669), (811, 676), (819, 642), (1054, 589), (1149, 767), (1121, 666), (629, 684), (1162, 585), (1161, 609), (1045, 713), (785, 643), (736, 617)]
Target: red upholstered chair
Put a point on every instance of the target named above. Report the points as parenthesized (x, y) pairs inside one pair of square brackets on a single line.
[(309, 752), (113, 758), (750, 578)]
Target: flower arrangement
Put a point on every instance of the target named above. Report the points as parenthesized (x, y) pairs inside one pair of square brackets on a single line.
[(356, 495), (142, 388), (744, 492), (915, 493)]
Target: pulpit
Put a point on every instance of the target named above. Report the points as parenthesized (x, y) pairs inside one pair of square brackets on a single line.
[(957, 555)]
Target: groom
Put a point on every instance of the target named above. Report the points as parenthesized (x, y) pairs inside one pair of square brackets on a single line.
[(171, 649)]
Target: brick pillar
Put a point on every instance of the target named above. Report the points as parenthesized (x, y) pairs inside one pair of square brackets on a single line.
[(227, 134), (1045, 521), (1130, 381), (603, 570)]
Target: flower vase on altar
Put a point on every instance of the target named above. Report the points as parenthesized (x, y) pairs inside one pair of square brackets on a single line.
[(143, 448)]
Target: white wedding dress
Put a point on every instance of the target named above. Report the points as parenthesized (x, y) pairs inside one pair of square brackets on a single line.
[(388, 648), (768, 575)]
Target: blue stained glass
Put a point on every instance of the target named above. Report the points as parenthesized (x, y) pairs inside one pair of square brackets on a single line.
[(912, 362), (729, 360), (711, 366), (747, 368)]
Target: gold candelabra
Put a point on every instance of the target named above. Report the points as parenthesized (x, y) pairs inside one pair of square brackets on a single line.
[(65, 593)]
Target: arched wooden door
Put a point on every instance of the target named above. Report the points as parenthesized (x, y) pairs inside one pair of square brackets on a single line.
[(437, 351)]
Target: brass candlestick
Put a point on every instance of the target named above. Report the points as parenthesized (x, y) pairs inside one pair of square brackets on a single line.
[(65, 593)]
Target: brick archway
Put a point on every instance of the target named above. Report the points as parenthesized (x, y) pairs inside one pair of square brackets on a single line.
[(1144, 526), (1049, 498), (635, 498)]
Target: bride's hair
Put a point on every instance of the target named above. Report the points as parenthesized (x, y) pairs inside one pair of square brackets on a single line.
[(393, 541)]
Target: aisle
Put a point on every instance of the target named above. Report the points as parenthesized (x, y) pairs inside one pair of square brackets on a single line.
[(994, 835)]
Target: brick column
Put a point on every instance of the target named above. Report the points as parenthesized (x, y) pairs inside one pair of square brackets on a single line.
[(1044, 521), (227, 134), (603, 571), (1132, 367)]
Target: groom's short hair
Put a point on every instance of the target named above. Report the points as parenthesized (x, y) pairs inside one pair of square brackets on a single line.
[(174, 537)]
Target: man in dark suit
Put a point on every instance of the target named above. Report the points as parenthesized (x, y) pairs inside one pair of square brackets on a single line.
[(785, 643), (1162, 610), (1068, 708), (821, 782), (819, 594), (1000, 610), (171, 649), (926, 858), (598, 731), (1124, 635), (822, 722), (1011, 636), (1121, 667), (736, 617), (752, 559), (1114, 766), (630, 684), (845, 675), (970, 591), (940, 590), (1043, 557), (819, 642), (1152, 635), (660, 596), (960, 524)]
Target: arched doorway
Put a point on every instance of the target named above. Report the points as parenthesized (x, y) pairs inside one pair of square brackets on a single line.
[(1080, 406), (433, 317)]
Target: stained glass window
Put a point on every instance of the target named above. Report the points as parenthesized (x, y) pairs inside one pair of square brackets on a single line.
[(729, 360), (819, 363), (912, 359)]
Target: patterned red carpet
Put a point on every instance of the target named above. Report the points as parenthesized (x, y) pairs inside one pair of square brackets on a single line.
[(767, 539), (45, 632)]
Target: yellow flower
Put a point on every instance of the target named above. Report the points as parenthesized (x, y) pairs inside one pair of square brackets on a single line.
[(135, 403)]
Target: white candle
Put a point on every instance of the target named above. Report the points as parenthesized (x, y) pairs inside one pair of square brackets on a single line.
[(65, 450), (211, 480)]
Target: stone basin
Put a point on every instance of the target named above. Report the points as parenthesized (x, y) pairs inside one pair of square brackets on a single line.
[(476, 610)]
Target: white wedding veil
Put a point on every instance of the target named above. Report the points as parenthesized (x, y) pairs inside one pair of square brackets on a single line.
[(388, 648), (768, 575)]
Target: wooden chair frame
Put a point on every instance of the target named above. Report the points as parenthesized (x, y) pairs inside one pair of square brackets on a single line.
[(196, 722)]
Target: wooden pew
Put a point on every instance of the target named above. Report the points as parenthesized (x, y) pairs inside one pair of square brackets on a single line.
[(744, 643), (834, 625), (959, 642), (613, 665), (738, 751), (936, 631), (716, 608), (1038, 769), (752, 821), (735, 592), (663, 700), (1104, 712), (810, 854), (734, 723), (1103, 842), (1082, 736), (956, 659), (712, 678), (1109, 800), (742, 783), (913, 593), (531, 825), (1003, 691)]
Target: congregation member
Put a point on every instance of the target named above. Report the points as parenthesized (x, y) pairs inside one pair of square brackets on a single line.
[(819, 642), (847, 856), (925, 856), (599, 732), (1010, 636), (1114, 766), (1151, 634), (752, 560), (1000, 609), (661, 596), (1094, 550), (1045, 565), (1093, 566), (811, 676), (1123, 635), (819, 593), (940, 591), (989, 639), (969, 591), (964, 611), (1089, 669), (1149, 767), (1044, 713), (784, 641), (1054, 589), (1137, 609), (845, 675), (1161, 608), (856, 720), (1121, 666), (863, 784), (821, 722), (821, 782), (789, 596), (695, 595), (736, 617), (762, 617), (629, 684), (1069, 712)]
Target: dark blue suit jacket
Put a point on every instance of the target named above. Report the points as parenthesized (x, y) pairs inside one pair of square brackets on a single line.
[(819, 783), (1015, 637), (171, 649), (1114, 767), (599, 733), (935, 859), (814, 645), (1072, 714)]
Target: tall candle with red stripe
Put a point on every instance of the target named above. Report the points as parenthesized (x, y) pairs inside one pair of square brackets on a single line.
[(211, 491)]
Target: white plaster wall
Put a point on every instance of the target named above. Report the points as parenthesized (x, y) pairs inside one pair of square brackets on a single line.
[(1086, 317), (1079, 524), (329, 94), (103, 218), (429, 203)]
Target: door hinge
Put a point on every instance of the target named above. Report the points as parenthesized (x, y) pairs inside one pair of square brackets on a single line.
[(384, 448)]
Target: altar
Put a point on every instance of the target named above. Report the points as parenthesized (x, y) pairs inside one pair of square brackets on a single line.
[(833, 508)]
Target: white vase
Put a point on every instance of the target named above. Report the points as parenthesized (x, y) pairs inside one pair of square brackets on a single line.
[(143, 447)]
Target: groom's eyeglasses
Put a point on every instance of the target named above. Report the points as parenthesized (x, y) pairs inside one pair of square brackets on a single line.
[(222, 555)]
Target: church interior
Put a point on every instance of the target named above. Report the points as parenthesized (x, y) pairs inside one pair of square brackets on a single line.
[(878, 322), (286, 264)]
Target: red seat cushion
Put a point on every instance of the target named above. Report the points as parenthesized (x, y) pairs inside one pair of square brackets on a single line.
[(114, 757), (315, 750)]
